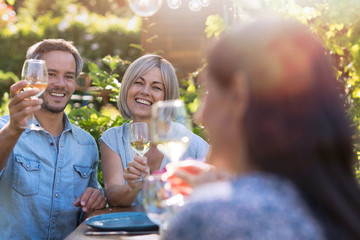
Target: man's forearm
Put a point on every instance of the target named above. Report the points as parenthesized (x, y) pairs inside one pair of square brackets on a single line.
[(8, 139)]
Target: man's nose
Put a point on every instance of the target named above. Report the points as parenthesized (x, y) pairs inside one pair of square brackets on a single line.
[(59, 81)]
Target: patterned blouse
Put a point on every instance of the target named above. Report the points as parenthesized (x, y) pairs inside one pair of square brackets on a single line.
[(255, 206)]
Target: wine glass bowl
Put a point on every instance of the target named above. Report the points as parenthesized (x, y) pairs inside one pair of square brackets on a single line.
[(170, 128), (159, 203), (154, 193), (35, 73), (140, 140)]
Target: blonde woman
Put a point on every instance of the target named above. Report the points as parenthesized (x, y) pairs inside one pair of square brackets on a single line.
[(148, 79)]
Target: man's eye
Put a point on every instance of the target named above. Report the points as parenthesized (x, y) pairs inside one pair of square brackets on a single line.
[(51, 74)]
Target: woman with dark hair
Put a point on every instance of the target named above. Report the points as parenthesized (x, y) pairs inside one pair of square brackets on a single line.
[(275, 120)]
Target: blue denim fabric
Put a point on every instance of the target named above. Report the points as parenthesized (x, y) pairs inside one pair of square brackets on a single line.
[(38, 185)]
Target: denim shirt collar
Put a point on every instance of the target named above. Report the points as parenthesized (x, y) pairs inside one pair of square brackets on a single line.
[(66, 120)]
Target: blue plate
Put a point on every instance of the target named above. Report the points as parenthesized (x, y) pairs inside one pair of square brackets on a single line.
[(125, 221)]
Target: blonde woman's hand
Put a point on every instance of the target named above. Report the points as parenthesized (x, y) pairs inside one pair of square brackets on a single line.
[(134, 170)]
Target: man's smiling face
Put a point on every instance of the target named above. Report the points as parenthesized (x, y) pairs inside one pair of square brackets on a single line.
[(62, 74)]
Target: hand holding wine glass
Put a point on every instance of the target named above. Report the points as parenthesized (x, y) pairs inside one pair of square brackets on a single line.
[(140, 141), (34, 71)]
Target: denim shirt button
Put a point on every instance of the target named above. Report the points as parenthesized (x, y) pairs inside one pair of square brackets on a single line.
[(27, 166), (53, 221), (58, 169), (84, 174), (61, 145)]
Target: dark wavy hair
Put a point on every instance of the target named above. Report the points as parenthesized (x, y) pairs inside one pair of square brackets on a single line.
[(295, 125)]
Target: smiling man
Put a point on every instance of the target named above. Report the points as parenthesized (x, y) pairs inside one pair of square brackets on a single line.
[(47, 177)]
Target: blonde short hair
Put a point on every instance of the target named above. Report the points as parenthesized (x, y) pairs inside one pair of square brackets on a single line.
[(139, 68)]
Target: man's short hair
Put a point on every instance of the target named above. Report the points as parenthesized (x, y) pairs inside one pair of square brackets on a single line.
[(48, 45)]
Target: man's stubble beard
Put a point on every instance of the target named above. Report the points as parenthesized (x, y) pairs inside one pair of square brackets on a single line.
[(45, 105)]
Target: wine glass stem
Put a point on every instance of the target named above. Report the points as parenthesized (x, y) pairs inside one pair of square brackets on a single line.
[(32, 119), (162, 230), (143, 175)]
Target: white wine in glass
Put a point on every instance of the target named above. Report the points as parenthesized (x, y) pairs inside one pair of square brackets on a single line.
[(140, 140), (35, 72), (170, 128)]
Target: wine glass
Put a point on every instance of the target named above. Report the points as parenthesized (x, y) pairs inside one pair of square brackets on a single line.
[(35, 72), (170, 128), (159, 203), (140, 141)]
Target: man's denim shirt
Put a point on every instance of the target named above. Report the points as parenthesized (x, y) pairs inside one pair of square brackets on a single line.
[(39, 185)]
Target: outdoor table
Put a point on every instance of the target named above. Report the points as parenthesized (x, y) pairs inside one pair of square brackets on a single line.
[(78, 233)]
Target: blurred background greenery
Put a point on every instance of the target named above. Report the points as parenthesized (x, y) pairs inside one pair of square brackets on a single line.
[(109, 36)]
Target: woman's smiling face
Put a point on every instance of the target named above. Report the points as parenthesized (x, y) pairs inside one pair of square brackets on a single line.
[(144, 92)]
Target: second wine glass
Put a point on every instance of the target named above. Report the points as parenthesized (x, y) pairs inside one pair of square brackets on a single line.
[(140, 141), (159, 202), (170, 128), (35, 72)]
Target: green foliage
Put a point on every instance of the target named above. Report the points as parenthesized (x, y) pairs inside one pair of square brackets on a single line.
[(36, 8), (93, 121), (94, 35), (4, 104), (10, 2), (214, 26), (6, 79), (107, 80), (189, 94)]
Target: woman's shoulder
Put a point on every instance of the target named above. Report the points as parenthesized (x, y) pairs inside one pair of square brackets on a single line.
[(112, 137), (115, 131), (243, 205), (196, 138), (198, 148)]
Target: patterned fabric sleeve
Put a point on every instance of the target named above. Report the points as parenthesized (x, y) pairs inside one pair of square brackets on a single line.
[(254, 207), (109, 137)]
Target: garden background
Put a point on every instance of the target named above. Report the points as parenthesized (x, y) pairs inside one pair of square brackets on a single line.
[(109, 36)]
